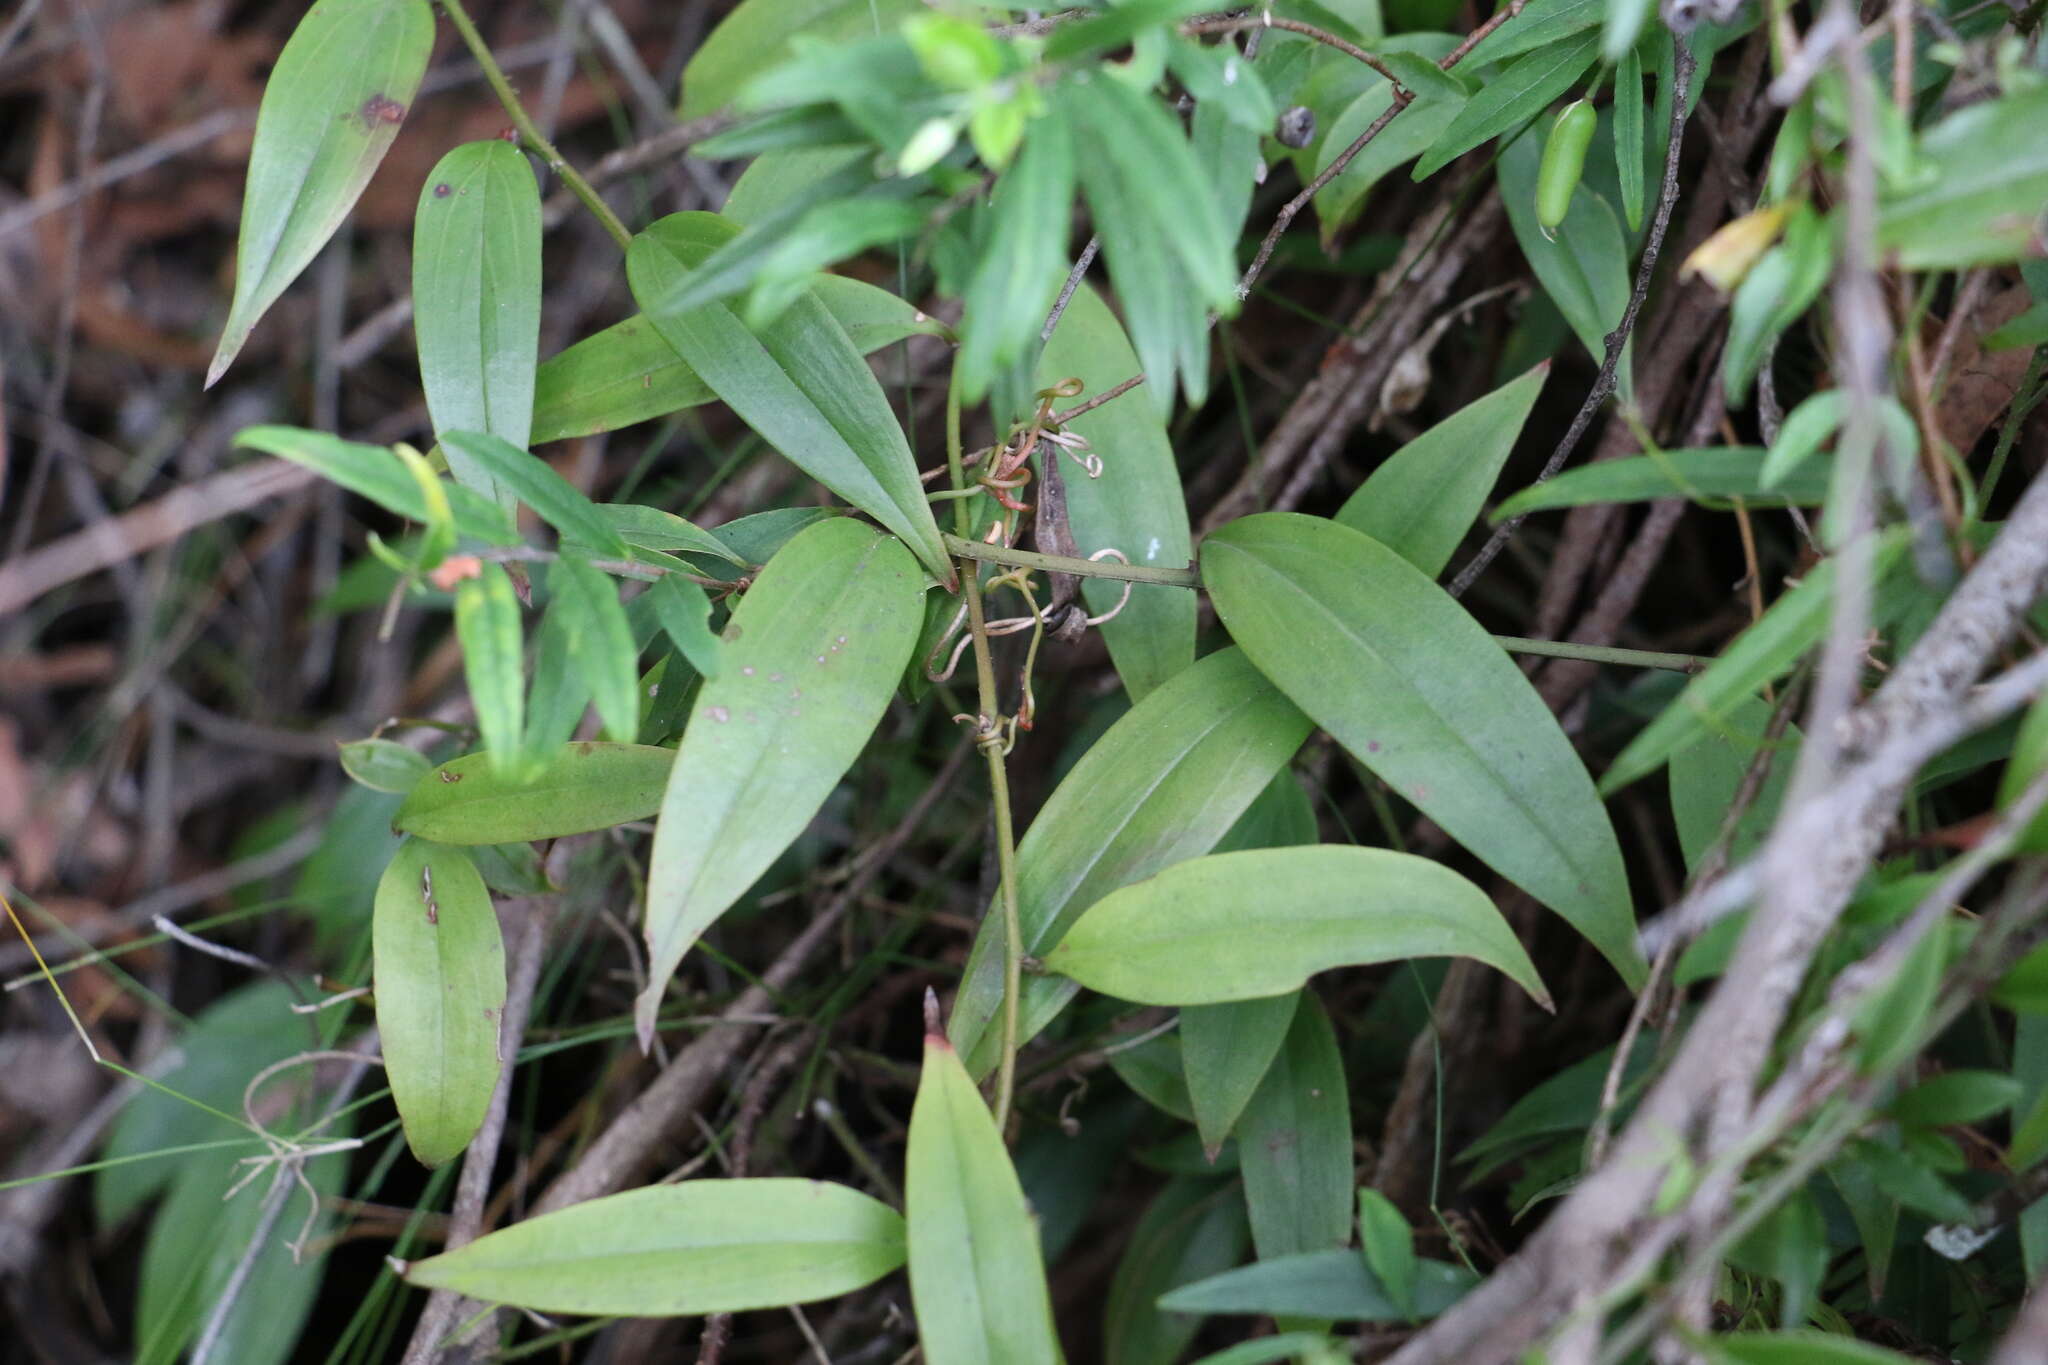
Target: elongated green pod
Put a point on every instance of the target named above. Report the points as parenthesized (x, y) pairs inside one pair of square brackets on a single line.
[(1564, 160)]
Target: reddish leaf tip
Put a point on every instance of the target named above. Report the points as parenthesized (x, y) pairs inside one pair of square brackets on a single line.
[(934, 1030)]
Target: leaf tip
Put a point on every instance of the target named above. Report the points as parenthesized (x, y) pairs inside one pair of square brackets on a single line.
[(934, 1029), (644, 1010)]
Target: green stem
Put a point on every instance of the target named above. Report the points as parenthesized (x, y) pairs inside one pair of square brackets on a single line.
[(989, 738), (1602, 654), (529, 131), (964, 548)]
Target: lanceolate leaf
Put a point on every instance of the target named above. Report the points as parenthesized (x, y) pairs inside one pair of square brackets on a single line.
[(756, 36), (476, 297), (1423, 500), (601, 644), (487, 623), (1164, 783), (801, 384), (384, 765), (627, 373), (977, 1280), (703, 1246), (1022, 259), (1408, 682), (685, 614), (1295, 1148), (532, 481), (1517, 94), (1723, 472), (810, 659), (1180, 938), (1136, 506), (377, 474), (1194, 1228), (1320, 1284), (440, 976), (330, 109), (1985, 188), (1225, 1050)]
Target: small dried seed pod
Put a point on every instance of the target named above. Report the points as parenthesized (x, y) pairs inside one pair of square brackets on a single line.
[(1296, 127)]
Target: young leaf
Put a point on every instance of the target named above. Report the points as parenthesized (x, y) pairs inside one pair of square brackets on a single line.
[(702, 1246), (601, 644), (1164, 783), (1195, 1228), (383, 765), (330, 109), (1320, 1284), (1423, 500), (1408, 682), (1178, 938), (1225, 1050), (1389, 1245), (476, 298), (803, 386), (440, 975), (811, 657), (977, 1281), (1294, 1146), (487, 623), (1136, 506), (532, 481), (1721, 472), (1517, 94)]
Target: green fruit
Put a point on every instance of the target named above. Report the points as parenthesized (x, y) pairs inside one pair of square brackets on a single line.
[(1564, 159)]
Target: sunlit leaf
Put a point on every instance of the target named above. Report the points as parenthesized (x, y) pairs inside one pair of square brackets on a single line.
[(377, 474), (756, 35), (440, 978), (330, 109)]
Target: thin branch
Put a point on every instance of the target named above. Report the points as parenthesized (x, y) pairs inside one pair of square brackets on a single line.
[(1069, 564), (1617, 340), (1074, 278), (1267, 19)]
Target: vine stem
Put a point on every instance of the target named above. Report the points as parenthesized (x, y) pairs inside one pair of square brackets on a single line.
[(528, 129), (988, 737)]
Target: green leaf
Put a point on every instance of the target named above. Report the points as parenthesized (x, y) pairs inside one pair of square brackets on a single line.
[(440, 978), (1799, 1348), (627, 373), (2024, 987), (1790, 1246), (811, 656), (1021, 257), (1416, 690), (1224, 77), (2029, 757), (1282, 1346), (1408, 136), (1541, 23), (801, 384), (1389, 1246), (702, 1246), (476, 298), (1193, 1229), (1985, 191), (1334, 1285), (1964, 1097), (977, 1282), (1628, 136), (1805, 429), (558, 695), (1764, 652), (573, 790), (1164, 783), (1515, 95), (1583, 266), (1294, 1145), (685, 613), (330, 109), (384, 765), (1178, 938), (601, 644), (1773, 295), (1136, 506), (378, 475), (756, 36), (534, 482), (1876, 1215), (1425, 497), (1152, 1069), (1720, 472), (1225, 1051), (649, 528), (487, 623)]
